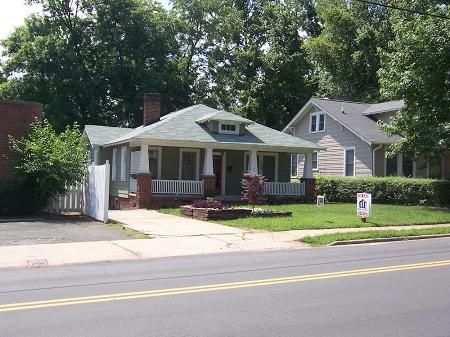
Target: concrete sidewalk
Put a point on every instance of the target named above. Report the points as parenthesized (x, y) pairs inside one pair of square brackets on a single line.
[(85, 252), (174, 237)]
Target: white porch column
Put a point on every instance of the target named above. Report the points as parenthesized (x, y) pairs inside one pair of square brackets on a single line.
[(308, 171), (143, 160), (96, 155), (253, 165), (208, 169), (400, 165)]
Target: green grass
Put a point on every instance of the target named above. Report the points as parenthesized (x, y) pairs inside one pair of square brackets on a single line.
[(128, 231), (338, 215), (326, 239)]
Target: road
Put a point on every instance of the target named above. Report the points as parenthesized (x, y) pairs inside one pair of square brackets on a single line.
[(395, 289)]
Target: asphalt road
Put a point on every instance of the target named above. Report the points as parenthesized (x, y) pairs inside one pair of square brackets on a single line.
[(394, 289)]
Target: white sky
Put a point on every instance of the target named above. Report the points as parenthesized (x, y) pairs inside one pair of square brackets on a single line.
[(13, 12)]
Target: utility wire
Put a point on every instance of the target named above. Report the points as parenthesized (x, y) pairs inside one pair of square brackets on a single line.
[(404, 9)]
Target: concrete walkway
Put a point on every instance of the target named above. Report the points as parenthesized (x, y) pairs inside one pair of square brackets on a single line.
[(158, 224)]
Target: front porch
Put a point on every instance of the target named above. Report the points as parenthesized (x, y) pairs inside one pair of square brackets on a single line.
[(157, 173)]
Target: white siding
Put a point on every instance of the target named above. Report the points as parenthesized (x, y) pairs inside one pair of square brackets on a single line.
[(335, 138)]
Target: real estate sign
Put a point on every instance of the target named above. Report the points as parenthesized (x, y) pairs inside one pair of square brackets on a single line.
[(363, 204)]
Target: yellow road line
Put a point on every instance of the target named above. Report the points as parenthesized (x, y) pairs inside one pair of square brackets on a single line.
[(215, 287)]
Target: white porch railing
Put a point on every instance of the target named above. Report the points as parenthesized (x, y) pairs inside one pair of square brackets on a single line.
[(273, 188), (177, 187)]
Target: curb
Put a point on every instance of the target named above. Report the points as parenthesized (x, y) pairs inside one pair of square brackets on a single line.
[(404, 238)]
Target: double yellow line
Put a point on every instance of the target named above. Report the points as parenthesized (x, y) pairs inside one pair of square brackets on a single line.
[(215, 287)]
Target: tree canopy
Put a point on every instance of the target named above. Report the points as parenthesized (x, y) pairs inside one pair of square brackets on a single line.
[(91, 61)]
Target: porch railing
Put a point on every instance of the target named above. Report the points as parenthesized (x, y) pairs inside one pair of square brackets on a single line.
[(177, 187), (273, 188)]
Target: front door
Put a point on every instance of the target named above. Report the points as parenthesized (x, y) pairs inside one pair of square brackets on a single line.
[(217, 159)]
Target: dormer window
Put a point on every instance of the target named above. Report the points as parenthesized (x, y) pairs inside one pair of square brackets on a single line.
[(229, 128), (317, 122)]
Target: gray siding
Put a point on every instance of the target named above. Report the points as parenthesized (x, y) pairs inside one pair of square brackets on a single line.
[(335, 138), (284, 167), (170, 163)]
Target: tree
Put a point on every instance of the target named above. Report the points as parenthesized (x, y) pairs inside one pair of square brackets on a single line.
[(344, 55), (416, 67), (46, 163), (90, 61), (253, 187), (246, 56)]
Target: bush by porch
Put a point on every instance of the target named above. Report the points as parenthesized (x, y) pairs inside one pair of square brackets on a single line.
[(337, 215)]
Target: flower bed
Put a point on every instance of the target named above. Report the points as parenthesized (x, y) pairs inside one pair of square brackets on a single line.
[(267, 213), (214, 213)]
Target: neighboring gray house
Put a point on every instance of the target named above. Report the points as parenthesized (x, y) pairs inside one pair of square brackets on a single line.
[(196, 151), (354, 144)]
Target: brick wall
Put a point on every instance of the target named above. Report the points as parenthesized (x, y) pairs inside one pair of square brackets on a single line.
[(15, 119), (122, 202), (209, 186)]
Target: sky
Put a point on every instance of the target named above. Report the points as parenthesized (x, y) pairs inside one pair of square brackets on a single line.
[(13, 13)]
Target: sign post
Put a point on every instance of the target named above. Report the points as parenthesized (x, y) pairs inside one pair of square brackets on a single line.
[(363, 205), (320, 201)]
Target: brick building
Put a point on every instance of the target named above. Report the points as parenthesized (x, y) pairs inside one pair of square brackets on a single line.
[(15, 120)]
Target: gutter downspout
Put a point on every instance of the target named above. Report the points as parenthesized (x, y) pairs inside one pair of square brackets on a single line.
[(373, 158)]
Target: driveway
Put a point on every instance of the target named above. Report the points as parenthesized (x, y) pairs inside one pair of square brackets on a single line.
[(60, 230)]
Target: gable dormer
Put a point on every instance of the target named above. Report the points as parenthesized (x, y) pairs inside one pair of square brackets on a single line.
[(226, 123)]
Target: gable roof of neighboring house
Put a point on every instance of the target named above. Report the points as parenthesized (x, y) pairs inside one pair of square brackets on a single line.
[(354, 116), (187, 126)]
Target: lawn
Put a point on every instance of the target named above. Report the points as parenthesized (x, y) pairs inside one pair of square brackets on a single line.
[(338, 215), (325, 239)]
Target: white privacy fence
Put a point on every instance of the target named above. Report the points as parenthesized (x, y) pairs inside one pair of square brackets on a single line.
[(177, 187), (90, 198), (72, 201), (296, 189), (96, 192)]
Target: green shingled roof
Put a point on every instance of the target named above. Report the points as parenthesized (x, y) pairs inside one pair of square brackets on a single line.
[(100, 135), (186, 126)]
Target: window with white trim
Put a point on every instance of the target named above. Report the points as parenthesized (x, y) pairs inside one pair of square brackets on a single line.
[(189, 164), (317, 122), (114, 165), (229, 128), (315, 160), (349, 162), (294, 165), (123, 166)]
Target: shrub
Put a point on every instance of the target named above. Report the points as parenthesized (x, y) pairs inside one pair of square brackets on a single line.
[(46, 164), (389, 190), (253, 186), (209, 203)]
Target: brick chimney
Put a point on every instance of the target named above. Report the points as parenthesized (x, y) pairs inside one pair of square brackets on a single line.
[(152, 108)]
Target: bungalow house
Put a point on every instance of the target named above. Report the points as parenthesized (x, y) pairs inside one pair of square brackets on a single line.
[(355, 145), (195, 152)]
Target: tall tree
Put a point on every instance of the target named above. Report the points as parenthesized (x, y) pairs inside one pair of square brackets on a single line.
[(246, 55), (90, 61), (344, 55), (416, 67)]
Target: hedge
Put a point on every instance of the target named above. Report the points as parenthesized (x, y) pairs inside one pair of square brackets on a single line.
[(389, 190)]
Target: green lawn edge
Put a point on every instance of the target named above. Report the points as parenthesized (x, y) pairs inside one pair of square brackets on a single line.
[(337, 215), (326, 239)]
